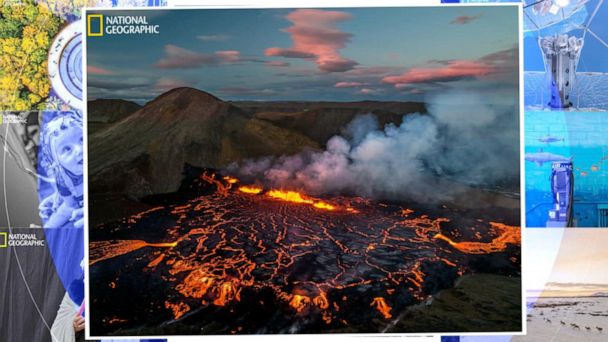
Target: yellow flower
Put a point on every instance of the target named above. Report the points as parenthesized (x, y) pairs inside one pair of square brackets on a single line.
[(21, 105), (24, 81), (42, 39), (34, 98)]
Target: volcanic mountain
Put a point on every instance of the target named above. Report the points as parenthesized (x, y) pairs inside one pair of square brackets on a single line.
[(145, 152), (104, 112), (322, 120)]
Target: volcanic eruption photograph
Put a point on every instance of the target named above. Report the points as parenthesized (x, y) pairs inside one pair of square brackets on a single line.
[(304, 171)]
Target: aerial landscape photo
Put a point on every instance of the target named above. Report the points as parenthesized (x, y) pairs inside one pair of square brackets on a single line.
[(298, 171), (571, 302)]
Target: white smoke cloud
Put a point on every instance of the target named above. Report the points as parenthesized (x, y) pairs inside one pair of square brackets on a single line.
[(462, 139)]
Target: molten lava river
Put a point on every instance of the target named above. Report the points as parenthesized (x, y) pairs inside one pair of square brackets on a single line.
[(242, 259)]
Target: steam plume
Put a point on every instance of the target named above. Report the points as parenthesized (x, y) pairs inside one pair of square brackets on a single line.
[(465, 138)]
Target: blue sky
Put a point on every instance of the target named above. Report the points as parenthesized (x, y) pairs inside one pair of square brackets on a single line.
[(322, 54)]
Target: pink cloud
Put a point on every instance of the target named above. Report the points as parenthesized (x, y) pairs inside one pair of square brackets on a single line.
[(349, 84), (504, 58), (368, 91), (93, 70), (451, 71), (180, 58), (464, 19), (315, 36), (505, 63), (167, 83), (228, 56), (289, 53), (277, 64)]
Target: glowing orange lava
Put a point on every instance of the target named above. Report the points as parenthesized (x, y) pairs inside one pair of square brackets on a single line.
[(196, 284), (232, 243), (289, 196), (103, 250), (250, 189), (178, 309), (382, 307), (296, 197), (406, 212), (299, 302), (321, 301), (221, 187), (230, 180), (506, 235), (323, 205), (156, 261), (227, 292), (164, 244)]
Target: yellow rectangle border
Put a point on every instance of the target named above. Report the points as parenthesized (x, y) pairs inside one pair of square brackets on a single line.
[(89, 33), (5, 240)]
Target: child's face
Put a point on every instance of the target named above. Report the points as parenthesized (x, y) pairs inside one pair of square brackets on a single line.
[(68, 149)]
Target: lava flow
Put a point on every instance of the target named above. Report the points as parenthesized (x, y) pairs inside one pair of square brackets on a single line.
[(382, 307), (271, 257), (296, 197)]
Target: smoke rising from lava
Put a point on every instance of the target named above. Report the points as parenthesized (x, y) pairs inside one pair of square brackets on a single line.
[(463, 138)]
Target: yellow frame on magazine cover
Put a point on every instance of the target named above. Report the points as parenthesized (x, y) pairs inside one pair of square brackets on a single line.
[(95, 34)]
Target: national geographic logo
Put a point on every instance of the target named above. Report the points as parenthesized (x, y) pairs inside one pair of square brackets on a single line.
[(20, 240), (11, 118), (99, 25)]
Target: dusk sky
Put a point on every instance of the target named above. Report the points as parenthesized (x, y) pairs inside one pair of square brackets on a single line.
[(340, 54), (573, 262)]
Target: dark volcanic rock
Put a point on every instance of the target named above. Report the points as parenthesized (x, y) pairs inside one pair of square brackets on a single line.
[(254, 107), (191, 187), (210, 259), (145, 153), (102, 113), (320, 121), (477, 302), (110, 110)]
